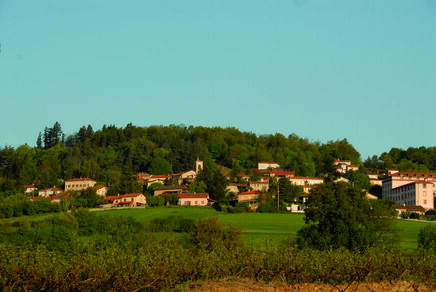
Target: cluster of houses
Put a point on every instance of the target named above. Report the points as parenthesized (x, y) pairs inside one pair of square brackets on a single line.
[(74, 184), (412, 192)]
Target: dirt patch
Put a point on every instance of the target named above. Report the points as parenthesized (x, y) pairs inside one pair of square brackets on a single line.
[(247, 285)]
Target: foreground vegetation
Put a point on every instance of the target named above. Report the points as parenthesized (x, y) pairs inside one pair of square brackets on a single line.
[(86, 251)]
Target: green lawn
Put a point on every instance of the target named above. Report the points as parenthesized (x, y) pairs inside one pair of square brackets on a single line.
[(257, 227)]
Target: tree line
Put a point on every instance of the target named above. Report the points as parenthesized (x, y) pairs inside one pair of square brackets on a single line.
[(112, 155)]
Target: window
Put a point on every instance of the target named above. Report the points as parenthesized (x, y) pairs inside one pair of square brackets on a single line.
[(424, 193), (425, 202), (424, 186)]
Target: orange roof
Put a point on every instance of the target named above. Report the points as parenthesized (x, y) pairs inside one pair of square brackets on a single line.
[(58, 197), (255, 192), (259, 182), (99, 187), (282, 172), (29, 186), (130, 195), (79, 179), (193, 195), (159, 176), (305, 177), (111, 198)]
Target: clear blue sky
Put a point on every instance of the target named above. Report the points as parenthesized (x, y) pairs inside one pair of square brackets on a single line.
[(326, 70)]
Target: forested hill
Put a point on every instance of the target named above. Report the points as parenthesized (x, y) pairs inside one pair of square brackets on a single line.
[(112, 155)]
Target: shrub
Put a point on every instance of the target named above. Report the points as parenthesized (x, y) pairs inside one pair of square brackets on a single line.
[(431, 212), (414, 215), (427, 237), (208, 233)]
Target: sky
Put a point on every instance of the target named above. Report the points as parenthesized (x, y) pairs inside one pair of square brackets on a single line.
[(363, 70)]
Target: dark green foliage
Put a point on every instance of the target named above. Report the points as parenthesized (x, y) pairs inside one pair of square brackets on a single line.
[(90, 196), (339, 215), (160, 166), (241, 207), (289, 192), (413, 215), (155, 201), (266, 208), (358, 179), (427, 237), (208, 233), (171, 223), (431, 212)]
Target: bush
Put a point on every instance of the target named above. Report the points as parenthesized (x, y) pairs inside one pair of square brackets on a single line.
[(427, 237), (266, 208), (208, 233), (414, 215), (171, 223), (431, 212), (241, 207)]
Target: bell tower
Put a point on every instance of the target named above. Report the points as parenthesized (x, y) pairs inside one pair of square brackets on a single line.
[(198, 165)]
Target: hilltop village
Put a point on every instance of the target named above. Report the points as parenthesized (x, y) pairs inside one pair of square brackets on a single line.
[(225, 168), (410, 191)]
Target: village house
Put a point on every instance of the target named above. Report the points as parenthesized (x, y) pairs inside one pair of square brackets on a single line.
[(392, 170), (244, 177), (186, 177), (131, 200), (58, 198), (110, 199), (250, 197), (281, 173), (410, 188), (259, 185), (169, 190), (49, 192), (341, 165), (29, 189), (267, 165), (78, 184), (232, 188), (194, 199), (404, 209), (352, 168), (101, 190), (306, 182)]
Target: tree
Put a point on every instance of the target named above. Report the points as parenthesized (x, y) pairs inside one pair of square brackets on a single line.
[(160, 166), (339, 215), (288, 191)]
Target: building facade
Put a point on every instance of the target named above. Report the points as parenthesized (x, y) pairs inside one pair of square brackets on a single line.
[(78, 184), (410, 188)]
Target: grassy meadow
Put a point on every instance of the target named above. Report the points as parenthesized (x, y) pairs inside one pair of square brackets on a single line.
[(258, 227)]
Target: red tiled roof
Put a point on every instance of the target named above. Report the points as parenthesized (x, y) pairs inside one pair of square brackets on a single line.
[(130, 195), (409, 208), (79, 179), (308, 178), (159, 176), (29, 186), (255, 192), (111, 198), (58, 197), (193, 195), (282, 172), (99, 187), (259, 182)]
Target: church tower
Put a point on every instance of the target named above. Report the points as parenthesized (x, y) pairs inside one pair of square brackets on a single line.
[(198, 165)]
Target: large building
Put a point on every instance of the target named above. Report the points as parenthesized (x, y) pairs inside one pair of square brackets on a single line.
[(410, 188), (77, 184)]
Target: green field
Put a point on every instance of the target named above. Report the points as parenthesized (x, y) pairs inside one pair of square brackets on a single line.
[(258, 227)]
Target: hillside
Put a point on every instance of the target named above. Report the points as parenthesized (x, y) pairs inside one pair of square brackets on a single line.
[(113, 155)]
